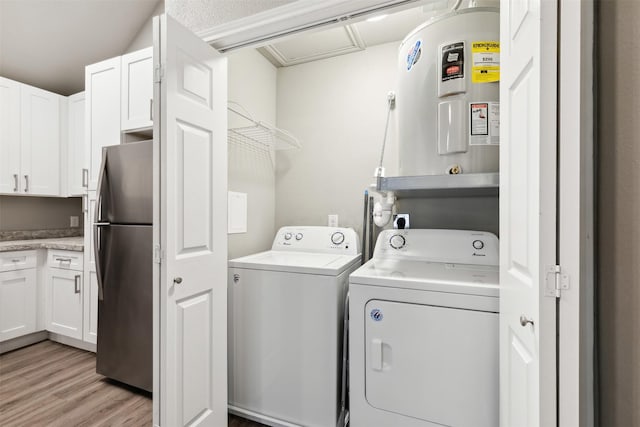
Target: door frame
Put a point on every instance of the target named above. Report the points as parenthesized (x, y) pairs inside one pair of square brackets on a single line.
[(576, 213), (576, 166)]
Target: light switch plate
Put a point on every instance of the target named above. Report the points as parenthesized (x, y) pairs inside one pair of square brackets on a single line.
[(332, 220), (237, 213), (74, 221)]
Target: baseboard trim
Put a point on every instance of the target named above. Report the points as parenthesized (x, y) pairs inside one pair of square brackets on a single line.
[(263, 419), (36, 337), (72, 342), (23, 341)]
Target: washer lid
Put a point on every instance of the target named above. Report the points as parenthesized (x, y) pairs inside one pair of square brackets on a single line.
[(429, 276), (296, 262)]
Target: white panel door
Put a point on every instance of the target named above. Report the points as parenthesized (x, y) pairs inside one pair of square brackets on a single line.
[(193, 186), (9, 136), (102, 112), (137, 89), (528, 34), (40, 136)]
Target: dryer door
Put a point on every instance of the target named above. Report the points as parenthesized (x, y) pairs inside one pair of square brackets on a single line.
[(434, 363)]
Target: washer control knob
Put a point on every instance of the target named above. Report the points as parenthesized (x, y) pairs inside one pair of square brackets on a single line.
[(478, 244), (337, 238), (299, 236), (287, 236), (397, 241)]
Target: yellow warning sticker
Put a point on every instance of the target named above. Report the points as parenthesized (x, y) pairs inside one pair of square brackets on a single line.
[(485, 67)]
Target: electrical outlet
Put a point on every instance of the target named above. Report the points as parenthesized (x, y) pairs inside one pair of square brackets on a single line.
[(74, 221), (333, 220), (401, 221)]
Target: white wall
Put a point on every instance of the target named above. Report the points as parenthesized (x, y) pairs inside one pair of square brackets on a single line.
[(144, 38), (252, 83), (337, 108)]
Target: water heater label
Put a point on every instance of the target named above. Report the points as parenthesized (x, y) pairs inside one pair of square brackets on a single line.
[(414, 54), (486, 62), (452, 61), (484, 123)]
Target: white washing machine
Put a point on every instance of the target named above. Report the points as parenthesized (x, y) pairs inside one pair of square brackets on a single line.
[(423, 331), (286, 310)]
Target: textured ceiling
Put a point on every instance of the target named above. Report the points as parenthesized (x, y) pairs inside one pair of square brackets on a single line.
[(47, 43), (203, 14)]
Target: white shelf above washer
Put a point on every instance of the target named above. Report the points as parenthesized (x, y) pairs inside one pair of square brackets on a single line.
[(258, 135)]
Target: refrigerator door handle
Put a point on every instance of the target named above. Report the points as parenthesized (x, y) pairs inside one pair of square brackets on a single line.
[(97, 257), (97, 223)]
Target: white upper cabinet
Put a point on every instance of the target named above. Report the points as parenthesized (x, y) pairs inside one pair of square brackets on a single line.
[(40, 136), (77, 169), (102, 112), (137, 90), (30, 142), (9, 135)]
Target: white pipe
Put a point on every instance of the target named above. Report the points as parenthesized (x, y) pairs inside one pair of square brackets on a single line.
[(383, 209)]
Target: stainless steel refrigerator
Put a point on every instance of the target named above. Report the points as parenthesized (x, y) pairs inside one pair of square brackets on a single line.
[(124, 264)]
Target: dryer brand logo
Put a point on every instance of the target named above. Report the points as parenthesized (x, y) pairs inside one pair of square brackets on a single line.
[(376, 315)]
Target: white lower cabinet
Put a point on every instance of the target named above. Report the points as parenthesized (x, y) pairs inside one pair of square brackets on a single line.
[(91, 308), (64, 301), (62, 289), (91, 282), (17, 303)]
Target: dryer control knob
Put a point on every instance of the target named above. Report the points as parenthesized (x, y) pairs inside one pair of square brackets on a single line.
[(337, 238), (478, 244), (287, 236), (299, 236), (397, 241)]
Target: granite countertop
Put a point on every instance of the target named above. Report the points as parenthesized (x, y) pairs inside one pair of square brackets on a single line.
[(66, 243)]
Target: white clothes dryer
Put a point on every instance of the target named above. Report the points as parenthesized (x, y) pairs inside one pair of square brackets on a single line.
[(286, 311), (423, 331)]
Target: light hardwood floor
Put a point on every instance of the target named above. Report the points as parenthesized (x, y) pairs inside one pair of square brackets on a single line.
[(50, 384)]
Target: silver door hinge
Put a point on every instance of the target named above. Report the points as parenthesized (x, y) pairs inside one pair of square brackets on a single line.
[(555, 281), (158, 73), (158, 254)]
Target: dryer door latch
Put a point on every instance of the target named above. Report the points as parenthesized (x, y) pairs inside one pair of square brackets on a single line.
[(555, 281)]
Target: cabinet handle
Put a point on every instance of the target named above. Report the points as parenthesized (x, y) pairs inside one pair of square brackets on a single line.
[(85, 178), (15, 180), (151, 109), (77, 283), (26, 183), (63, 260), (16, 260)]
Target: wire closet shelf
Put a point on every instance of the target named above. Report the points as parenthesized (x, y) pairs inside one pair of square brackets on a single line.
[(257, 135)]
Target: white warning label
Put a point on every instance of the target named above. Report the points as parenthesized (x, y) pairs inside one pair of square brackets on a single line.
[(484, 123)]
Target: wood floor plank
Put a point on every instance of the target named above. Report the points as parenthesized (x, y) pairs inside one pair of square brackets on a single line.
[(52, 385)]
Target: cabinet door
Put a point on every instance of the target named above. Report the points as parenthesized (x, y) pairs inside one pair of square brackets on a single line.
[(63, 299), (9, 136), (78, 170), (17, 303), (137, 89), (90, 312), (102, 112), (40, 141)]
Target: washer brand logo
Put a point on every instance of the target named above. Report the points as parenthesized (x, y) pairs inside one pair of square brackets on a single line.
[(376, 315)]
